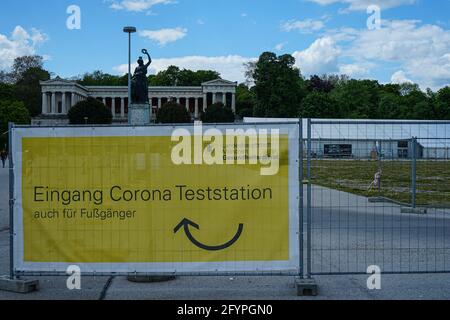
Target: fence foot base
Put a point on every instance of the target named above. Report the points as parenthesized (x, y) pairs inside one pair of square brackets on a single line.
[(149, 279), (414, 210), (18, 285), (306, 287)]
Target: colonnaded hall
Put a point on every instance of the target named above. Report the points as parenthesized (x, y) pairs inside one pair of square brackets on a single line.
[(59, 95)]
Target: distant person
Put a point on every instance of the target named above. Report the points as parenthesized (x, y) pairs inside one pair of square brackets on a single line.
[(4, 156)]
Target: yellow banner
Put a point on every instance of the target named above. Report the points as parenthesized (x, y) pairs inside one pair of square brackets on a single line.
[(122, 199)]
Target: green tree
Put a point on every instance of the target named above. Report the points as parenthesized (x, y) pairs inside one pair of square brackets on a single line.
[(173, 112), (23, 63), (323, 84), (279, 87), (245, 101), (319, 105), (98, 78), (389, 88), (357, 99), (407, 87), (416, 104), (11, 111), (28, 89), (173, 76), (205, 76), (7, 91), (90, 111), (168, 77), (218, 113), (390, 106), (443, 104)]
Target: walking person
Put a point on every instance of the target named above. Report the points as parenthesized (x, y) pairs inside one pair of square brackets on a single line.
[(3, 156)]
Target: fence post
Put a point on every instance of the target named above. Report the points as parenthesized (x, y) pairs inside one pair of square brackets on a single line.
[(300, 204), (11, 283), (308, 209), (379, 153), (307, 286), (413, 172), (11, 202)]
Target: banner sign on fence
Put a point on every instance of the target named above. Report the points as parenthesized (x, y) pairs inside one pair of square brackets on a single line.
[(156, 199)]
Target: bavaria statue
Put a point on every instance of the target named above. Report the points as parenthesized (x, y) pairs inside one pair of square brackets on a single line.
[(139, 82)]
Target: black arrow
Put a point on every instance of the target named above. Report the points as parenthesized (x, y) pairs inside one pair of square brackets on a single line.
[(186, 223)]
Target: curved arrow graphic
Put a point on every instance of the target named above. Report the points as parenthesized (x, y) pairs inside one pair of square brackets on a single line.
[(185, 223)]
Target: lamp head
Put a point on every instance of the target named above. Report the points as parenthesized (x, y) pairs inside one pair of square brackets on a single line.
[(129, 29)]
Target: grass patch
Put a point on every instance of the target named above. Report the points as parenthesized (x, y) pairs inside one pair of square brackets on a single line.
[(355, 176)]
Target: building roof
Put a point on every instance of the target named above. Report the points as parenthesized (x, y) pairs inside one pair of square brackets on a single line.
[(430, 134)]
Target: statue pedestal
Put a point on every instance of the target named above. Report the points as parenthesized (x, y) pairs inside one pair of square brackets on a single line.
[(139, 114)]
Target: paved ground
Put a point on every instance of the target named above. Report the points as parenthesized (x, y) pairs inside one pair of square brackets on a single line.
[(348, 235)]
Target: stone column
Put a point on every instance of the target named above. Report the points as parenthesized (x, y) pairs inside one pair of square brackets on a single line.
[(196, 108), (187, 105), (224, 98), (122, 108), (205, 101), (72, 99), (178, 100), (44, 103), (214, 100), (104, 101), (113, 107), (53, 103), (63, 103), (233, 102), (159, 103)]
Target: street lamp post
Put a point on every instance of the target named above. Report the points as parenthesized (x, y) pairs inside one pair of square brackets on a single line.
[(129, 30)]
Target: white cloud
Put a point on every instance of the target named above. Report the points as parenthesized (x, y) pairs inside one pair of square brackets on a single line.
[(353, 70), (230, 67), (303, 26), (137, 5), (280, 46), (20, 43), (399, 77), (164, 36), (420, 51), (320, 57), (355, 5)]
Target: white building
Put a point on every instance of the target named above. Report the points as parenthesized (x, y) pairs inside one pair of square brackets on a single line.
[(365, 139), (59, 95)]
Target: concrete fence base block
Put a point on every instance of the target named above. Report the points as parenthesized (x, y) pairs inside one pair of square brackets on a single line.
[(18, 285), (306, 287), (414, 210), (149, 279)]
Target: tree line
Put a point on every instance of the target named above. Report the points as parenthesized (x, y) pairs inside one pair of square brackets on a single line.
[(279, 90), (275, 87)]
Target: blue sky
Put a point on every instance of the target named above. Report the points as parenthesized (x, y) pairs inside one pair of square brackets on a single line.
[(412, 42)]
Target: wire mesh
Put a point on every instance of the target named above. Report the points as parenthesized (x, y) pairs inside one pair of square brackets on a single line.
[(131, 163), (380, 195)]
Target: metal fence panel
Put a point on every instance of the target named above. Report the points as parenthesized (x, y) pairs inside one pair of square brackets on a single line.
[(268, 241), (370, 184)]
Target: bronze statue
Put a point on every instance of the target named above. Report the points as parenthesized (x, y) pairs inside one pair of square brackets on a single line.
[(139, 82)]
